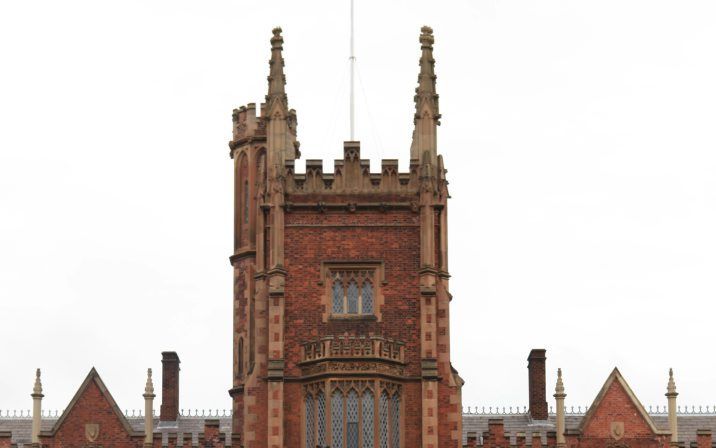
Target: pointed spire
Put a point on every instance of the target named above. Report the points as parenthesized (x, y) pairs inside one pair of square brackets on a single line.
[(427, 115), (426, 92), (282, 122), (276, 79)]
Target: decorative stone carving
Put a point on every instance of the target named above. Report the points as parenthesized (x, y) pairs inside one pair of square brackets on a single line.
[(343, 347), (91, 431), (617, 430), (353, 367)]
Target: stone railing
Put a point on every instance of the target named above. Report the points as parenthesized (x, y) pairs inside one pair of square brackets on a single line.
[(342, 347), (582, 410)]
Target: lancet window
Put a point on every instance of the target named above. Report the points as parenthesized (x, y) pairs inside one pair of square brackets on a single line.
[(352, 417)]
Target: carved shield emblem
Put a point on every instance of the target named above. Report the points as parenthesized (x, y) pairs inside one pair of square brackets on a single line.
[(617, 430), (91, 431)]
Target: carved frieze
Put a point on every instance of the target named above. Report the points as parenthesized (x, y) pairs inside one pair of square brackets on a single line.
[(345, 347), (353, 367)]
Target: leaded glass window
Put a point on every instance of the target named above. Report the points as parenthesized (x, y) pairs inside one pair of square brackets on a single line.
[(352, 295), (314, 405), (321, 419), (383, 414), (310, 422), (368, 404), (395, 421), (352, 292), (352, 414), (352, 419), (367, 296), (337, 419), (337, 297)]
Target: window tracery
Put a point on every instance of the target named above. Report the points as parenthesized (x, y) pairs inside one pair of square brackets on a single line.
[(352, 289), (357, 419), (352, 292)]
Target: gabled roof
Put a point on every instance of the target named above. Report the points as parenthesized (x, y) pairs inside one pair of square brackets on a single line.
[(617, 376), (93, 376)]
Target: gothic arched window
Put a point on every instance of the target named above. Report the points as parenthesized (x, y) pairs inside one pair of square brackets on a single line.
[(337, 419), (383, 414), (321, 418), (368, 403), (240, 356), (310, 421), (242, 201), (367, 296), (352, 419), (246, 202), (352, 409), (337, 297)]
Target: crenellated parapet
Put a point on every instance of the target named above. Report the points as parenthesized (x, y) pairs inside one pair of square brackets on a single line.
[(248, 127), (351, 176)]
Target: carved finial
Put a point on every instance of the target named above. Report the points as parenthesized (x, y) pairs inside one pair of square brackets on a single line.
[(149, 388), (37, 390), (276, 78), (559, 388), (671, 387), (426, 36)]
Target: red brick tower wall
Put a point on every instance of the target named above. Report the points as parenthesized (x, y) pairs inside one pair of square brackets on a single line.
[(298, 239)]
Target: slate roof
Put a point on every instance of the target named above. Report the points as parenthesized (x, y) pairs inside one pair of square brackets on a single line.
[(514, 423), (21, 428)]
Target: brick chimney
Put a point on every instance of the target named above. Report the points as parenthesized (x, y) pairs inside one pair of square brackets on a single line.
[(169, 410), (537, 384)]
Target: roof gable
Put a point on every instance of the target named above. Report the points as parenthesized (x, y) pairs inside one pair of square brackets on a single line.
[(86, 399), (617, 402)]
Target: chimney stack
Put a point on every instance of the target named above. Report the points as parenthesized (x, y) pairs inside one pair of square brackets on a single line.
[(537, 384), (169, 410)]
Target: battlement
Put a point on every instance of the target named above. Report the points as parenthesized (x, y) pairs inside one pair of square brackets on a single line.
[(248, 126), (351, 175)]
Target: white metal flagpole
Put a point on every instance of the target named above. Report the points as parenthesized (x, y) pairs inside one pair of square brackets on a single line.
[(353, 62)]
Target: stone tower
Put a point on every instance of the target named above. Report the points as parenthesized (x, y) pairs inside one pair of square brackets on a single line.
[(341, 302)]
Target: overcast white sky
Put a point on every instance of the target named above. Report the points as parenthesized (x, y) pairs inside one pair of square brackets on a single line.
[(579, 139)]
